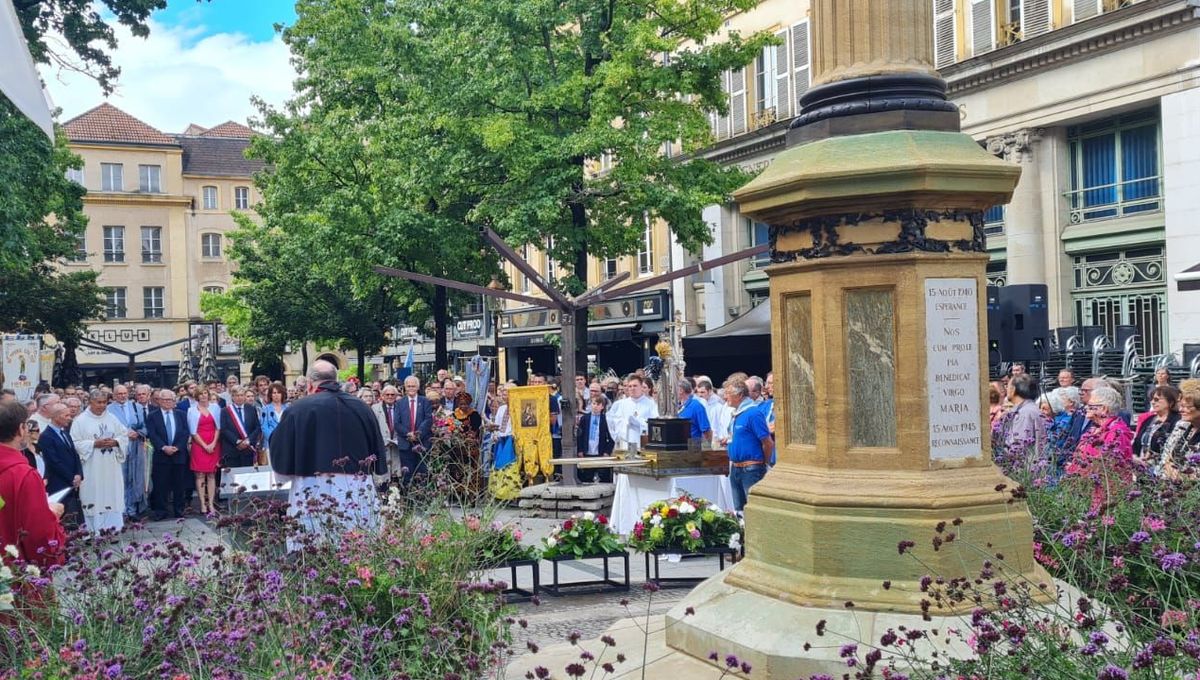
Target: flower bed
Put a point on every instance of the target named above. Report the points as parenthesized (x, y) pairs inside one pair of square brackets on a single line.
[(688, 524), (404, 601)]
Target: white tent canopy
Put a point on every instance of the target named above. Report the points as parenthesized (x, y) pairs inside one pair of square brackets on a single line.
[(18, 76)]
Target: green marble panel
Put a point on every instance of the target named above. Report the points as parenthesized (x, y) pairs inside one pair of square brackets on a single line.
[(871, 364), (798, 348)]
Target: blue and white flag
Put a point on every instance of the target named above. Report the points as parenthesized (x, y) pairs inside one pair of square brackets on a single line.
[(407, 369)]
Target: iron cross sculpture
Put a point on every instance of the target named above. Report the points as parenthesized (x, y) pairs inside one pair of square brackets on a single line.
[(567, 308)]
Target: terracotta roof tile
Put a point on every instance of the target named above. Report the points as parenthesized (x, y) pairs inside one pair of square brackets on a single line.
[(229, 129), (107, 123)]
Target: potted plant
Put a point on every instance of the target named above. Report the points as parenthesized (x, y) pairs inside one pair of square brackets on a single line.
[(686, 524), (587, 535), (582, 537)]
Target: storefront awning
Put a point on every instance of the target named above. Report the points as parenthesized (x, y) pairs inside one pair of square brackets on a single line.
[(743, 344), (596, 336), (1189, 279)]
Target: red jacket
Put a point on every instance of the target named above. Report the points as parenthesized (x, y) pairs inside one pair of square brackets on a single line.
[(26, 520)]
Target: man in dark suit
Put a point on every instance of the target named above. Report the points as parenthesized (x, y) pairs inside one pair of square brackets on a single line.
[(414, 429), (63, 467), (595, 440), (241, 432), (167, 430)]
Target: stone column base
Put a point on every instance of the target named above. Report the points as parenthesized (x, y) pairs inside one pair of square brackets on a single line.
[(770, 634)]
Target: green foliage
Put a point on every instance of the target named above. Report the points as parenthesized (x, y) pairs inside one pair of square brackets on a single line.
[(85, 32), (416, 122), (582, 536), (41, 215)]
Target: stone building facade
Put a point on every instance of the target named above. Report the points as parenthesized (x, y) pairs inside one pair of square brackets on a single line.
[(159, 208), (1097, 100)]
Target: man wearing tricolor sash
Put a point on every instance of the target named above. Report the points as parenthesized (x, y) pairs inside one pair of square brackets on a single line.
[(241, 432)]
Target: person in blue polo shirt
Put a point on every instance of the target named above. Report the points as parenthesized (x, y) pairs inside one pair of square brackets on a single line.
[(693, 410), (750, 446)]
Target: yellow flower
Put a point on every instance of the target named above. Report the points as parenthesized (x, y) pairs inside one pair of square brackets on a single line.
[(691, 526), (646, 515)]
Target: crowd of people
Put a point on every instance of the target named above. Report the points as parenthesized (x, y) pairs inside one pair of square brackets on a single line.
[(111, 454), (1085, 429)]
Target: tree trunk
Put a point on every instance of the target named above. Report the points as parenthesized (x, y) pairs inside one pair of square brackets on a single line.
[(579, 223), (304, 358), (441, 321), (362, 364)]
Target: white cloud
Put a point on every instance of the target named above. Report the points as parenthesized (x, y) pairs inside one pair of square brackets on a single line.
[(175, 77)]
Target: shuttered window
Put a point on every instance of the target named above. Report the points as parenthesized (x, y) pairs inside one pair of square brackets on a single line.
[(721, 120), (1036, 18), (783, 80), (1086, 9), (945, 33), (737, 101), (983, 27), (801, 73)]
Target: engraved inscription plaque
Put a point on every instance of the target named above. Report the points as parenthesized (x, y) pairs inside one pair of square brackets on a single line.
[(952, 368)]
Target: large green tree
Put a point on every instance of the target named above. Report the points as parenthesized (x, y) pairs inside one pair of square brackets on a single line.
[(41, 212), (41, 216), (489, 112)]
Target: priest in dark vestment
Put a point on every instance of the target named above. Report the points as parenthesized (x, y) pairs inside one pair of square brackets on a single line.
[(328, 445)]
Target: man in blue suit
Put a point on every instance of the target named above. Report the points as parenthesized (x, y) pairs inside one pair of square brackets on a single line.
[(63, 467), (167, 430), (414, 429)]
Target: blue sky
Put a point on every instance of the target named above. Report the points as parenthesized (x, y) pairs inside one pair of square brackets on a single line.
[(254, 18), (202, 63)]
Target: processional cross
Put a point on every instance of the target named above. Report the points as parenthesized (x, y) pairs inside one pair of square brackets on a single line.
[(567, 308)]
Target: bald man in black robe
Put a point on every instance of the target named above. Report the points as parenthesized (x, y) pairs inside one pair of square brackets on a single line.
[(328, 445)]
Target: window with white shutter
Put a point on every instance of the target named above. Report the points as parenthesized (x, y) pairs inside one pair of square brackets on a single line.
[(1036, 18), (983, 26), (801, 76), (737, 101), (783, 80), (945, 33), (723, 118), (1086, 9)]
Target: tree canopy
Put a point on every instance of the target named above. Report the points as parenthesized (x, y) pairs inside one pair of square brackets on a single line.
[(41, 216), (415, 122)]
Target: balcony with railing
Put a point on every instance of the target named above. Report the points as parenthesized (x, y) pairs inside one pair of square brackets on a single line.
[(1115, 199)]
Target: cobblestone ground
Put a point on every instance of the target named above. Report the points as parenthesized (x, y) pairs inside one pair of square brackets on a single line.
[(590, 615)]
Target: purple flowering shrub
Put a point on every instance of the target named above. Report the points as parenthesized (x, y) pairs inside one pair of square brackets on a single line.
[(1129, 560), (407, 601)]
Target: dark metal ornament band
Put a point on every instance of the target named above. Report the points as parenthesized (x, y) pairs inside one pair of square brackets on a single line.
[(827, 239)]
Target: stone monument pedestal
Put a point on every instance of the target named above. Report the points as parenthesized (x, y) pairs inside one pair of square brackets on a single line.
[(879, 335)]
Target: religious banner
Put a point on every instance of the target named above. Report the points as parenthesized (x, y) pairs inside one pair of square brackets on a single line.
[(530, 409), (22, 368), (48, 357)]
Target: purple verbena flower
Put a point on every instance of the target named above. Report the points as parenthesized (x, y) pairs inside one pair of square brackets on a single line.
[(1172, 561)]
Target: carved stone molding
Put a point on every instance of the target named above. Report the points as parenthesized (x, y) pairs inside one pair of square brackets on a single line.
[(1015, 146)]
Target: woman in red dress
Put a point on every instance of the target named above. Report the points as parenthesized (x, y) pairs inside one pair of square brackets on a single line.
[(204, 421)]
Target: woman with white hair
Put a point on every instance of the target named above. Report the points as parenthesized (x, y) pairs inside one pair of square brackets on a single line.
[(1106, 449)]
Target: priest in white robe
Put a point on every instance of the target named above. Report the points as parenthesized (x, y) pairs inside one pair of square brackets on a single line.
[(628, 419), (103, 443)]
